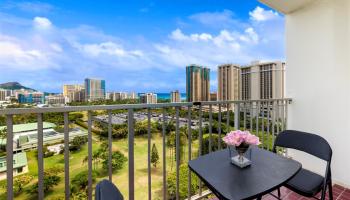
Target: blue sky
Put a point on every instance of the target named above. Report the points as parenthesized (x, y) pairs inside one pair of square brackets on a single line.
[(134, 45)]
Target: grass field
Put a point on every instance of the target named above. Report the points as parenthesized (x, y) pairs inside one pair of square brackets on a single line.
[(120, 178)]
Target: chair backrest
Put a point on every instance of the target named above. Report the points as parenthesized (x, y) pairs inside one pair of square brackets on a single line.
[(307, 142), (106, 190)]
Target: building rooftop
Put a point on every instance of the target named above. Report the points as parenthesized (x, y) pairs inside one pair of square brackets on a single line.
[(18, 128), (19, 160)]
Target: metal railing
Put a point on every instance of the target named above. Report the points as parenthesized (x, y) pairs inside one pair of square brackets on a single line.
[(266, 118)]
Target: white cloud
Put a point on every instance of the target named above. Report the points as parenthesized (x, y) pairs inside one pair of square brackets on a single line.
[(31, 7), (260, 14), (109, 48), (68, 55), (178, 35), (215, 19), (250, 36), (14, 55), (42, 23), (56, 47)]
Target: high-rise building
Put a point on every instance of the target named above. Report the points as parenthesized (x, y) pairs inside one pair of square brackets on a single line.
[(263, 80), (56, 99), (132, 95), (116, 96), (30, 97), (175, 96), (213, 96), (229, 82), (197, 83), (74, 93), (3, 94), (148, 98), (95, 89)]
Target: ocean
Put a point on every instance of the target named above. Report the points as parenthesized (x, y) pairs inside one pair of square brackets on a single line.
[(166, 96)]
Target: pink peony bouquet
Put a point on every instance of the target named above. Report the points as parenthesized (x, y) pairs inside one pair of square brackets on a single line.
[(238, 137)]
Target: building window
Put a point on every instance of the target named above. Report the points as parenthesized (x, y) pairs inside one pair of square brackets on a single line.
[(20, 170), (1, 164)]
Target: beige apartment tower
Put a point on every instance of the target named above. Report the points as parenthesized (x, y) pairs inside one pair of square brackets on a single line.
[(197, 83), (148, 98), (229, 82), (263, 81), (74, 93), (175, 96)]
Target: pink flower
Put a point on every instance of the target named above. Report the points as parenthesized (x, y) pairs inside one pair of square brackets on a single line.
[(252, 139), (236, 138)]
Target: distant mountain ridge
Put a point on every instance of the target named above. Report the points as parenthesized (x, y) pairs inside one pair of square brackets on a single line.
[(14, 86)]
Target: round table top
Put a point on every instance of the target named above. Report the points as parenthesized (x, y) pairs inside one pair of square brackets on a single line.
[(267, 172)]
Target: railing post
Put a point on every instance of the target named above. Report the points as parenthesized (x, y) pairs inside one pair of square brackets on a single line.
[(262, 124), (177, 134), (131, 154), (251, 116), (219, 128), (89, 155), (9, 156), (164, 157), (268, 126), (189, 151), (237, 113), (149, 153), (286, 117), (110, 170), (40, 158), (200, 135), (210, 126), (66, 156), (228, 117), (245, 116)]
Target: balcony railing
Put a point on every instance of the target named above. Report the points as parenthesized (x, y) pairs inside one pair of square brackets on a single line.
[(266, 118)]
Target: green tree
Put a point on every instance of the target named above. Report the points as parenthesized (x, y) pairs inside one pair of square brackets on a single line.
[(80, 182), (77, 142), (50, 180), (183, 189), (214, 143), (154, 156), (118, 160), (141, 128), (3, 133)]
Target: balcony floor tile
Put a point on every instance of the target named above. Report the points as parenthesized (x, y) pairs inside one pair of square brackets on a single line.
[(339, 193)]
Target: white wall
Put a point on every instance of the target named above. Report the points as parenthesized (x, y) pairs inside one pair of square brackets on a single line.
[(318, 79)]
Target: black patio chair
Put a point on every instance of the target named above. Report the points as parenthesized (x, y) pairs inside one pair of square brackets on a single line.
[(305, 182), (106, 190)]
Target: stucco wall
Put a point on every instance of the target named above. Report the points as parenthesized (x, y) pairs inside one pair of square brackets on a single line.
[(318, 80)]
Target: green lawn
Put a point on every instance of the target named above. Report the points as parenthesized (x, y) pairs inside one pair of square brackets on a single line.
[(120, 178)]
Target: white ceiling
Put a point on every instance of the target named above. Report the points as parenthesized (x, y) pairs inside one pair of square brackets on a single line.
[(286, 6)]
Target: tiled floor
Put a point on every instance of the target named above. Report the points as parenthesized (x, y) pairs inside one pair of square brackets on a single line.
[(339, 193)]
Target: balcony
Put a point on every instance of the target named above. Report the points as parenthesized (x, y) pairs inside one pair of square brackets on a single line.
[(169, 179)]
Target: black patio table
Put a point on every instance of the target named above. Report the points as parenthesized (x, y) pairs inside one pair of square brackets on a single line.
[(267, 172)]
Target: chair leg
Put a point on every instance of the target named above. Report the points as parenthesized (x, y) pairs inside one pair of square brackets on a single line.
[(323, 194), (279, 193), (330, 190)]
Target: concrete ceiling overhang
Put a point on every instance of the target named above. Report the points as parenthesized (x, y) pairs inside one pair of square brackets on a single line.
[(287, 6)]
